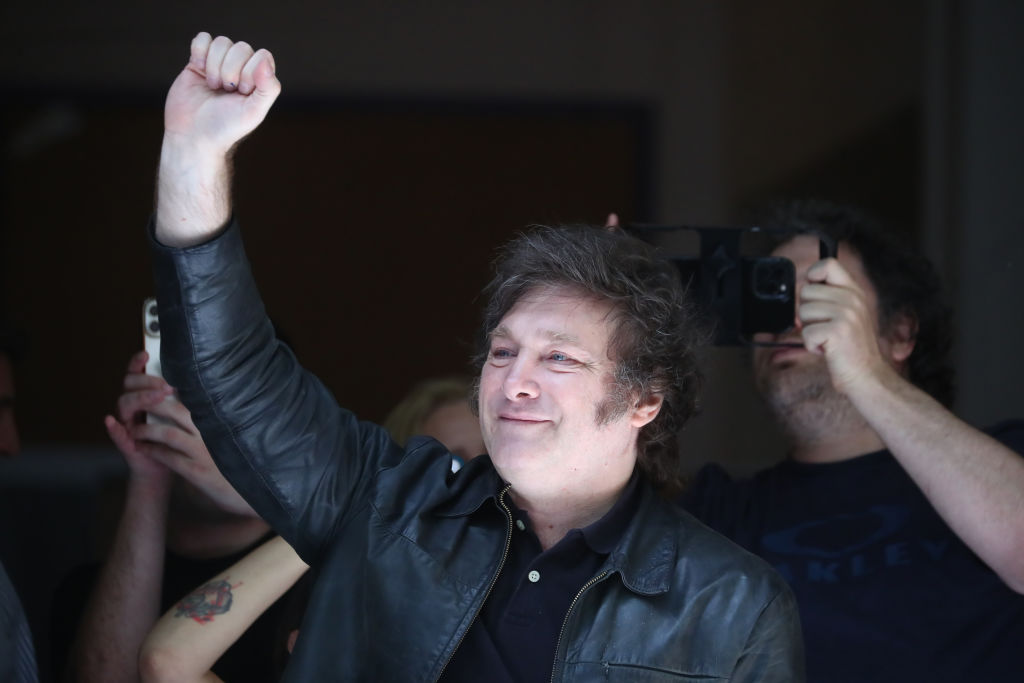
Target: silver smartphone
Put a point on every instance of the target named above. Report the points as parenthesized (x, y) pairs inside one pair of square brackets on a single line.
[(151, 343)]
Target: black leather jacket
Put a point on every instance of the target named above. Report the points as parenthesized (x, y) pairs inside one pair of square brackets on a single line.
[(405, 552)]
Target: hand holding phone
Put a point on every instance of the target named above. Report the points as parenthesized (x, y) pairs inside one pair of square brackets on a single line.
[(738, 295)]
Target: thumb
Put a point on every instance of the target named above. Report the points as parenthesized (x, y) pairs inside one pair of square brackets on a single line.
[(265, 82), (264, 89)]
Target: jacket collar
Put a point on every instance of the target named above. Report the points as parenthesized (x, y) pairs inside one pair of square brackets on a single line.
[(469, 489), (645, 555), (647, 552)]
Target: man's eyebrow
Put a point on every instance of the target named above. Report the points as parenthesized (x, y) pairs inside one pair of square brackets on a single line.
[(502, 332)]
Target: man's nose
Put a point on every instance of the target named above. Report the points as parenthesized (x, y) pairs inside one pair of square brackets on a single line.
[(520, 380)]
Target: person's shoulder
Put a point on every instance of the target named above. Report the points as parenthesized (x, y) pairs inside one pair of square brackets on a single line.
[(713, 485), (706, 482), (715, 555), (423, 480)]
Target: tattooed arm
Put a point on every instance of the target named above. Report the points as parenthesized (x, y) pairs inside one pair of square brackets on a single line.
[(193, 634)]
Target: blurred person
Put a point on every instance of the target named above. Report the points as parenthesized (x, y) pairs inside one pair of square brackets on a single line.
[(439, 408), (12, 345), (899, 526), (553, 556), (181, 524)]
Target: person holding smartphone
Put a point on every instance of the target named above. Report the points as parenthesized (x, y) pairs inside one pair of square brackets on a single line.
[(181, 523)]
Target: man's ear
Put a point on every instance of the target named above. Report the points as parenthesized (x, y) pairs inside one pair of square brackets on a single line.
[(902, 337), (646, 410)]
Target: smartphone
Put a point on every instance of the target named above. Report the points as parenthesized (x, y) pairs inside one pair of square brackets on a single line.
[(151, 336), (738, 294), (151, 343)]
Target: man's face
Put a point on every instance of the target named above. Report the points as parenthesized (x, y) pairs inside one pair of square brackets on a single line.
[(10, 444), (541, 389), (790, 376)]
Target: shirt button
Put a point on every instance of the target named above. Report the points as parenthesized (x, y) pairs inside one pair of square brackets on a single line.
[(521, 525), (533, 576)]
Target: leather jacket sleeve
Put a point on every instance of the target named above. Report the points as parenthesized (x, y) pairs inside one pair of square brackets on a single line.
[(774, 652), (273, 429)]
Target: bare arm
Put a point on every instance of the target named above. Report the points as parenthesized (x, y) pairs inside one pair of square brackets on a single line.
[(975, 483), (222, 95), (126, 598), (187, 640)]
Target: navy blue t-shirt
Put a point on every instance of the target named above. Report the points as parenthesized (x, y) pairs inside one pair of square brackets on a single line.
[(886, 590)]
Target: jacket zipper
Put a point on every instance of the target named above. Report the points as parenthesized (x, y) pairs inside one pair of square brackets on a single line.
[(568, 613), (494, 579)]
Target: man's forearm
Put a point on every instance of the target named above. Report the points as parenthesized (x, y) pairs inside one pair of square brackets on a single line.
[(975, 483), (125, 602), (183, 648)]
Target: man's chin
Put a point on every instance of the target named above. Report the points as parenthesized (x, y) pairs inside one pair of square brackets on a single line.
[(515, 456), (793, 382)]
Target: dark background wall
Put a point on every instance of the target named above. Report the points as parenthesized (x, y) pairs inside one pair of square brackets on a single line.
[(412, 138)]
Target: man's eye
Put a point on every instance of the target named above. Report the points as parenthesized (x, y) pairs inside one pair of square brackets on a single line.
[(500, 354), (560, 357)]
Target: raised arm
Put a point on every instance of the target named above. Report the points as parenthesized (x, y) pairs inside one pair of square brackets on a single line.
[(273, 429), (975, 483), (187, 640), (222, 95)]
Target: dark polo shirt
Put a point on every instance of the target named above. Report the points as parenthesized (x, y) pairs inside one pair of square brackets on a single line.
[(515, 636)]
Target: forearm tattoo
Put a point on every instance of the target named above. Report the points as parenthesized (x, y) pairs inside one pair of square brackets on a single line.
[(207, 601)]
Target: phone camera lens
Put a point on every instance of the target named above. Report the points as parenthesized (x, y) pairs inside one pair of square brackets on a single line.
[(771, 280)]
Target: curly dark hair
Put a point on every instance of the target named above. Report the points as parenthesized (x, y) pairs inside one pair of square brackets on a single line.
[(657, 333), (907, 284)]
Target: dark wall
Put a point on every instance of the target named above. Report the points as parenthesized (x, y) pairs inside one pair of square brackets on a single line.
[(903, 108), (371, 226)]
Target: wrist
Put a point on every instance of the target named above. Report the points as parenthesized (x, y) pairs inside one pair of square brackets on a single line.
[(153, 484), (873, 386), (193, 191)]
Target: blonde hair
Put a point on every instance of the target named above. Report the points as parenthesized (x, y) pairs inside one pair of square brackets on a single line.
[(407, 417)]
